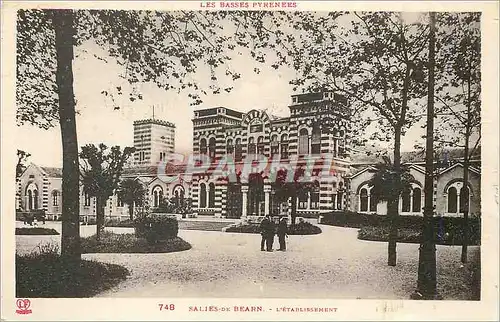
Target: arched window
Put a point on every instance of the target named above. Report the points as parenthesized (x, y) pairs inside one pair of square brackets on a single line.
[(203, 146), (373, 202), (284, 146), (405, 201), (238, 150), (316, 140), (315, 196), (119, 202), (464, 200), (260, 145), (363, 200), (211, 195), (340, 196), (157, 196), (55, 198), (452, 200), (251, 146), (274, 145), (417, 200), (229, 147), (303, 142), (211, 148), (203, 195), (32, 196), (303, 199)]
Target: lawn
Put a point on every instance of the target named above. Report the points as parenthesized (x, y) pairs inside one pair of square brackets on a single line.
[(129, 243), (46, 274)]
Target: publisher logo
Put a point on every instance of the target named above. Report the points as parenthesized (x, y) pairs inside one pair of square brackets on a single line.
[(23, 306)]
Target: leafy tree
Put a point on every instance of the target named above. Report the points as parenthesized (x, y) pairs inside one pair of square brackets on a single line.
[(22, 157), (101, 169), (388, 183), (163, 47), (377, 61), (131, 192), (459, 92)]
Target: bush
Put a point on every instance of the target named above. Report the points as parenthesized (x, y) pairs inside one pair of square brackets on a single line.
[(411, 235), (156, 228), (302, 228), (36, 231), (449, 230), (46, 274), (127, 223), (129, 243)]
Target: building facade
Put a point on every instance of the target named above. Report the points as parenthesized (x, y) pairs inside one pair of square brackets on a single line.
[(318, 125)]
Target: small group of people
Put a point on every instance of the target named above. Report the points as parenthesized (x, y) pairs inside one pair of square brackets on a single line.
[(268, 229)]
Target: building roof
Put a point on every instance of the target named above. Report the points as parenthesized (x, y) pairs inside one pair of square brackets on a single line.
[(52, 172)]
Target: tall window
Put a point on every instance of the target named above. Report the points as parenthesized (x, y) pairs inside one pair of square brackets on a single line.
[(303, 200), (119, 202), (405, 201), (417, 200), (203, 146), (363, 200), (452, 200), (373, 202), (211, 195), (86, 199), (157, 196), (229, 147), (303, 142), (464, 199), (238, 151), (32, 195), (203, 196), (260, 145), (251, 146), (339, 200), (315, 196), (211, 148), (55, 198), (284, 146), (316, 140), (274, 145)]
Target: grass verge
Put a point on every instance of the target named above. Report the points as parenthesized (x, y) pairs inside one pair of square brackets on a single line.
[(36, 231), (47, 274), (128, 243)]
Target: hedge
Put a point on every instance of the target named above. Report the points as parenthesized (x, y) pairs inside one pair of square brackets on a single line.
[(155, 228), (36, 231), (449, 229), (302, 228)]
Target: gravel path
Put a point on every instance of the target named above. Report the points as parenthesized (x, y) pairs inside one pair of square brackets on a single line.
[(333, 264)]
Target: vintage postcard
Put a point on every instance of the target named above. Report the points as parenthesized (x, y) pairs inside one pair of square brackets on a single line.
[(249, 160)]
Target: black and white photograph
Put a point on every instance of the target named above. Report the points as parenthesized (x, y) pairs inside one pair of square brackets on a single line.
[(276, 160)]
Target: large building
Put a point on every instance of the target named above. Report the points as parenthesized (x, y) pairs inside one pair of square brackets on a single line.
[(318, 125), (314, 137)]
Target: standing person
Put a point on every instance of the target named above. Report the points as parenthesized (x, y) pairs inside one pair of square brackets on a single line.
[(282, 233), (270, 235), (264, 229)]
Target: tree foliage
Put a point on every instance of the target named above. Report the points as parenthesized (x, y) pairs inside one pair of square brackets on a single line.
[(101, 169), (22, 158), (131, 192), (388, 183)]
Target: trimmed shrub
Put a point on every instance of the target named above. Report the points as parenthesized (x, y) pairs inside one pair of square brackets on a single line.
[(36, 231), (127, 223), (46, 274), (449, 230), (302, 228), (129, 243), (155, 228)]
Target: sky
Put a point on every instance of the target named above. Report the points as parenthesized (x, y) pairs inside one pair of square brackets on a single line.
[(98, 122)]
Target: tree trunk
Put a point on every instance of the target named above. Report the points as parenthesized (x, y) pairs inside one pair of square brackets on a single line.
[(70, 239), (100, 205), (131, 210), (465, 241), (392, 205)]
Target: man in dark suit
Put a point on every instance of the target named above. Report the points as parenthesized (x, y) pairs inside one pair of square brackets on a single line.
[(282, 233), (270, 235), (264, 228)]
